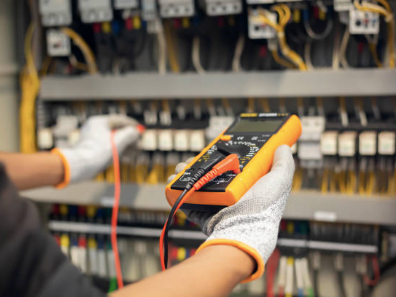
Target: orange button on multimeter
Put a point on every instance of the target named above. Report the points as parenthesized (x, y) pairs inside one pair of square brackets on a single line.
[(254, 138)]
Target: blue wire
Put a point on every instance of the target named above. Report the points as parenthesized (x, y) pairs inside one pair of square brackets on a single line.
[(300, 293)]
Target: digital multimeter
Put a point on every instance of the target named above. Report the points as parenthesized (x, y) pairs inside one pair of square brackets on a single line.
[(254, 137)]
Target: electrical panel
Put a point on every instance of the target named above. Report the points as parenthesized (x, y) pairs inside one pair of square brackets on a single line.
[(361, 22), (58, 44), (93, 11), (176, 8), (55, 12), (223, 7)]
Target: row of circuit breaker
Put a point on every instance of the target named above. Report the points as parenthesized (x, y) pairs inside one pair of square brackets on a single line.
[(82, 235), (60, 13)]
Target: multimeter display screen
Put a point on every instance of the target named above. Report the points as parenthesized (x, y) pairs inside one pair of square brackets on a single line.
[(266, 126)]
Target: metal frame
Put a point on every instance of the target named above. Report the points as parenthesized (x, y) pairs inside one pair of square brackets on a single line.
[(324, 83), (87, 228), (304, 205)]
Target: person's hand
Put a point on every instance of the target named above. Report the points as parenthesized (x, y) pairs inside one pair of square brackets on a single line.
[(92, 153), (252, 223)]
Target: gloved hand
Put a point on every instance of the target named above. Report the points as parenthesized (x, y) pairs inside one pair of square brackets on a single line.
[(252, 223), (92, 153)]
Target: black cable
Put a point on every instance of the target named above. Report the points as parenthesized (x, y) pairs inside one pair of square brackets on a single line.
[(340, 276), (140, 48), (169, 223), (363, 291), (316, 282)]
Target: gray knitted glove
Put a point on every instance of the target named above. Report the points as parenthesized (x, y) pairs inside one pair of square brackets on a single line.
[(92, 153), (252, 223)]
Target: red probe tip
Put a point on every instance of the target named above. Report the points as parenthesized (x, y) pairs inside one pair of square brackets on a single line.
[(230, 163), (141, 128)]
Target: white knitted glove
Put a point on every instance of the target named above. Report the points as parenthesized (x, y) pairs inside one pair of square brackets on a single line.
[(252, 223), (92, 153)]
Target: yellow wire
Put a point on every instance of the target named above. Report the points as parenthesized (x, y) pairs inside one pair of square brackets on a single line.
[(351, 182), (281, 61), (325, 181), (362, 181), (265, 105), (385, 4), (389, 190), (110, 174), (226, 103), (124, 172), (45, 66), (30, 85), (251, 105), (394, 183), (284, 16), (371, 8), (78, 65), (370, 183), (172, 48), (298, 180), (84, 47), (140, 173), (333, 182), (341, 181), (374, 53), (388, 15)]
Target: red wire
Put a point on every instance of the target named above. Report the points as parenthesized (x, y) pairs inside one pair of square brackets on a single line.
[(373, 282), (272, 267), (281, 292), (161, 242), (114, 215)]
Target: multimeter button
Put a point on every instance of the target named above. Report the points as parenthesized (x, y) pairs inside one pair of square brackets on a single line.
[(225, 138)]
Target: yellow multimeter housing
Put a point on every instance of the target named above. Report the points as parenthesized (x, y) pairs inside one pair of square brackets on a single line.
[(254, 137)]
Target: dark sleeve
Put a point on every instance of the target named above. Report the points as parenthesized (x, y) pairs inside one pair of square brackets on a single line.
[(31, 263)]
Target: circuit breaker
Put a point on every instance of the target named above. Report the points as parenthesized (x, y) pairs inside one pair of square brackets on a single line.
[(258, 29), (223, 7), (309, 145), (342, 5), (55, 12), (58, 44), (149, 10), (362, 22), (93, 11), (176, 8), (126, 4)]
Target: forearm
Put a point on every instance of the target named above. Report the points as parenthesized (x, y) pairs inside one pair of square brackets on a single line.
[(214, 271), (33, 170)]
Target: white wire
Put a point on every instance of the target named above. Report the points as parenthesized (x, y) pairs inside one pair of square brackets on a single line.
[(161, 52), (289, 278), (282, 272), (336, 52), (299, 274), (236, 61), (196, 56), (343, 48), (305, 270), (307, 56), (318, 36)]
